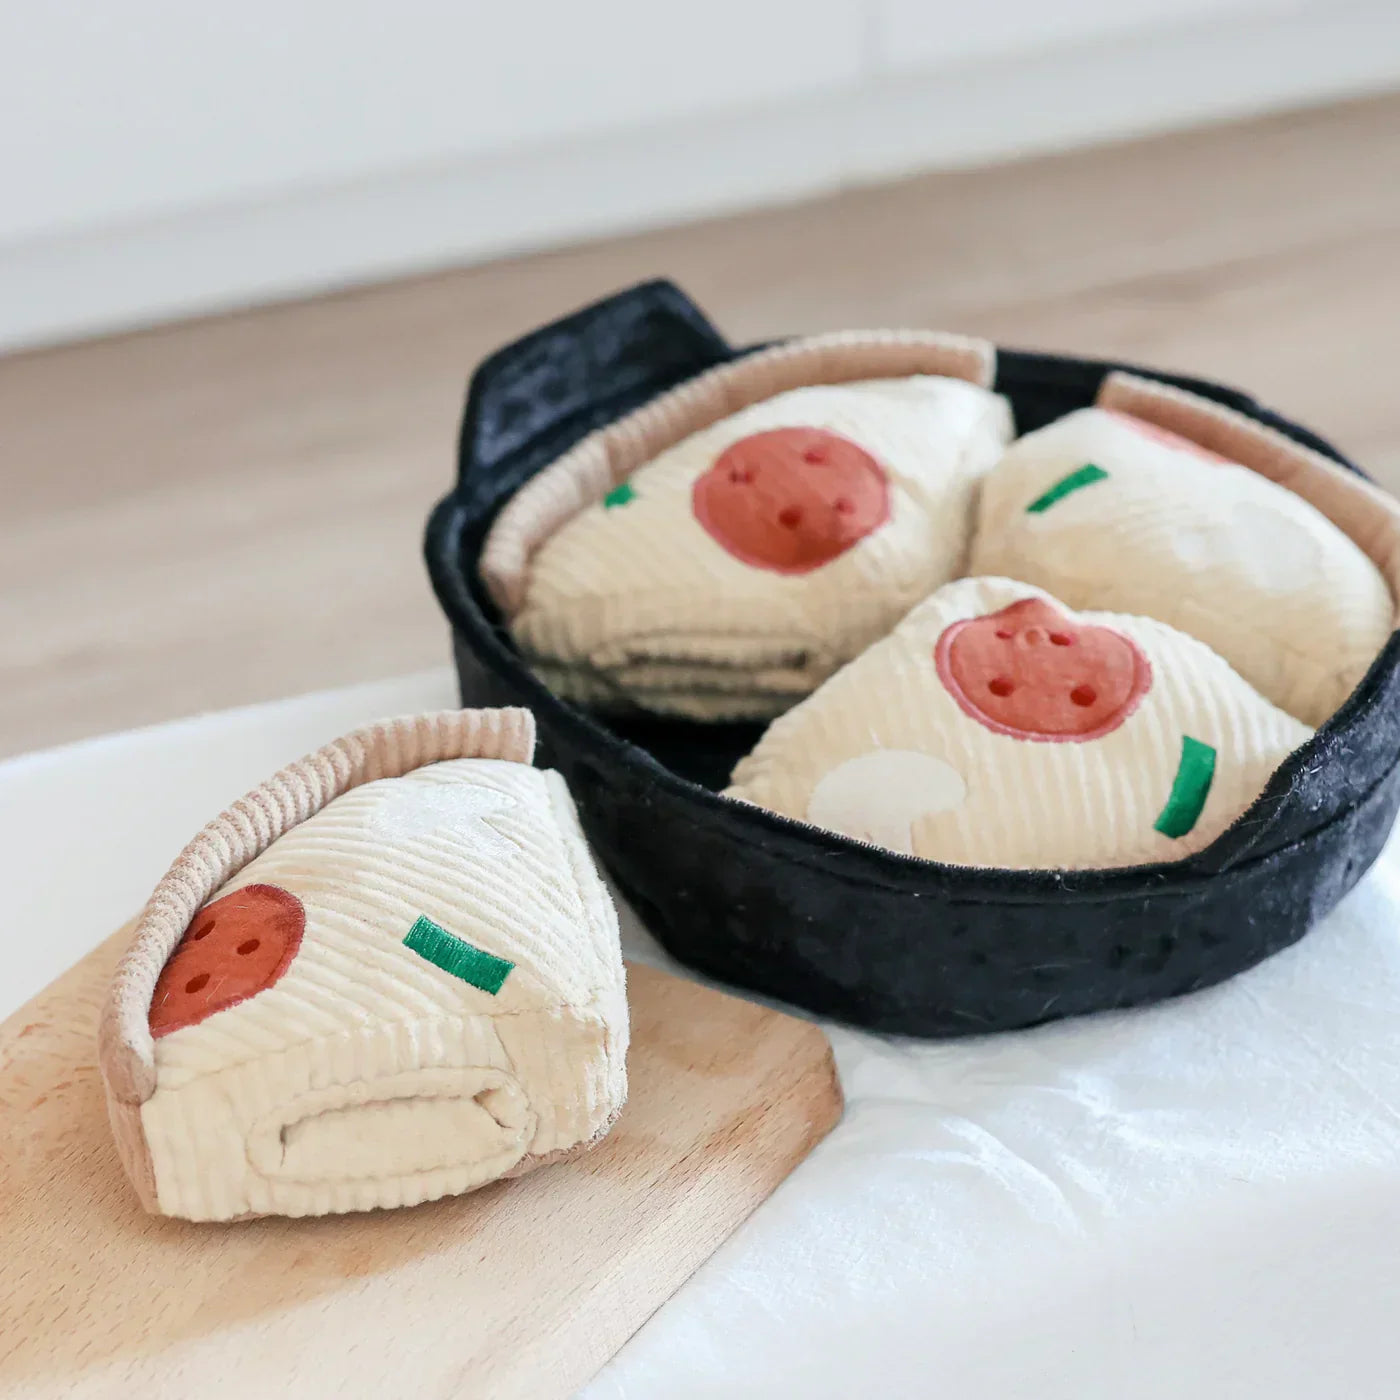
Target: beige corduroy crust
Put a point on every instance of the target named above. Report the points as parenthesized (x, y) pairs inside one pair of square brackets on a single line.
[(644, 604), (884, 753), (367, 1075), (605, 458), (1216, 549)]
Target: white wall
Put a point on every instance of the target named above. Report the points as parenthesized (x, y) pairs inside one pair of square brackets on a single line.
[(916, 35), (163, 156), (115, 109)]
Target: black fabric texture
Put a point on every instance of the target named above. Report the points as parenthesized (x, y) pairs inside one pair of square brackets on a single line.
[(841, 928), (534, 398)]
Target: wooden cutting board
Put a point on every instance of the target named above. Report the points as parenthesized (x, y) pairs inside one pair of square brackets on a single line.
[(523, 1289)]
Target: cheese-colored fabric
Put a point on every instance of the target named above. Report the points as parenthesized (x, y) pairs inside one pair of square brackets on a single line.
[(386, 748), (1172, 532), (883, 752), (636, 603), (367, 1076), (603, 459)]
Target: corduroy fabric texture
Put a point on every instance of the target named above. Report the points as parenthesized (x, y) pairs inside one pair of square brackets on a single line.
[(884, 752), (640, 602), (588, 470), (844, 928), (368, 1075), (1359, 508), (1218, 550), (385, 749)]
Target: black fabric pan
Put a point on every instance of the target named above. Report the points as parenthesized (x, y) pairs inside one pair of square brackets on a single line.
[(844, 929)]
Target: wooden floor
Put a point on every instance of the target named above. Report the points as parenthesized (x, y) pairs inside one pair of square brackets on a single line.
[(230, 510)]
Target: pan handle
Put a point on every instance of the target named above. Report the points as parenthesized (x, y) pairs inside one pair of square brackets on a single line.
[(536, 397)]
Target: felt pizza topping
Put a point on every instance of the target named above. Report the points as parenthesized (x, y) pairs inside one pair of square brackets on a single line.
[(881, 795), (1087, 475), (1275, 552), (236, 947), (619, 496), (1195, 772), (791, 499), (1032, 672), (456, 956)]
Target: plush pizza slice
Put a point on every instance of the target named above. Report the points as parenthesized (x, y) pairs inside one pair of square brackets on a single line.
[(996, 727), (1106, 510), (741, 566), (413, 988)]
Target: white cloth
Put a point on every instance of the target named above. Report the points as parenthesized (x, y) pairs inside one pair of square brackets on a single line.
[(1197, 1200)]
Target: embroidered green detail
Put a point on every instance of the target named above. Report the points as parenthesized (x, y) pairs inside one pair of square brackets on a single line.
[(619, 496), (457, 956), (1087, 475), (1194, 775)]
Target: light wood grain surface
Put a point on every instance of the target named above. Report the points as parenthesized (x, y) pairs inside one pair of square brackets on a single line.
[(230, 510), (522, 1289)]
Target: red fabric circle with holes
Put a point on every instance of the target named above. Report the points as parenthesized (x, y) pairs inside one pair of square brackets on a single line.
[(1031, 672), (1165, 436), (791, 499), (236, 947)]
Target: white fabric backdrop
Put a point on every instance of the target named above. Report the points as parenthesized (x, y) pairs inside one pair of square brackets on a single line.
[(1201, 1199)]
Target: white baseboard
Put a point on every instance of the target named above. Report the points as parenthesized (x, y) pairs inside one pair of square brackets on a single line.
[(217, 258)]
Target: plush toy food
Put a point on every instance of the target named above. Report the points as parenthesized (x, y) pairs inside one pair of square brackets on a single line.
[(996, 727), (1106, 510), (743, 564), (389, 974)]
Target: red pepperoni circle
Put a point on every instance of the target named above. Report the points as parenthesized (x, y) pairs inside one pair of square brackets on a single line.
[(1165, 436), (791, 499), (1031, 672), (236, 947)]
